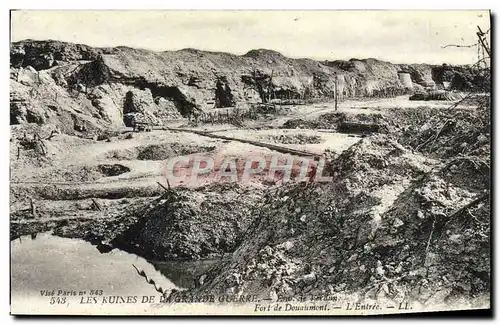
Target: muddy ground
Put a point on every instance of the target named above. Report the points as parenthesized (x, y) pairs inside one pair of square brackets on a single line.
[(406, 215)]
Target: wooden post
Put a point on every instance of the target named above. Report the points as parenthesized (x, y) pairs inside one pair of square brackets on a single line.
[(480, 35), (166, 189), (33, 208), (336, 93), (96, 205), (270, 87)]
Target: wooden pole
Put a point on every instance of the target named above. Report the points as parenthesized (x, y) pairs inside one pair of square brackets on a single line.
[(336, 93), (166, 189), (270, 88), (96, 205), (33, 208), (255, 143), (480, 35)]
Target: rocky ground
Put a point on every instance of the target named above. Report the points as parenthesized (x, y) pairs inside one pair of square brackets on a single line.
[(396, 223), (406, 216)]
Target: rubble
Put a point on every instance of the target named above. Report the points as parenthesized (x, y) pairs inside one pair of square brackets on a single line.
[(446, 133), (293, 139), (397, 249)]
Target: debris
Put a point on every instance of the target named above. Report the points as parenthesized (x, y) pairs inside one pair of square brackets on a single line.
[(95, 205)]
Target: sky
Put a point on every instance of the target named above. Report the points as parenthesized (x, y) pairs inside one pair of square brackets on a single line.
[(395, 36)]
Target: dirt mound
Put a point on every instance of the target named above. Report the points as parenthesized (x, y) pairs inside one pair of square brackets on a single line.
[(304, 124), (180, 224), (165, 151), (77, 173), (120, 214), (159, 151), (437, 95), (434, 242), (317, 218), (325, 121), (122, 154), (342, 122), (74, 173), (112, 170), (383, 229), (293, 139)]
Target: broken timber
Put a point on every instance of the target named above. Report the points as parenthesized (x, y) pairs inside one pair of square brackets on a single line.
[(162, 186), (255, 143), (95, 205)]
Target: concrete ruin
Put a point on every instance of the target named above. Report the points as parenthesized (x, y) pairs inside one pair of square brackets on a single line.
[(405, 80)]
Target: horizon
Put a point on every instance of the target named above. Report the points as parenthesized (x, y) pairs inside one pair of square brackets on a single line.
[(389, 35), (222, 52)]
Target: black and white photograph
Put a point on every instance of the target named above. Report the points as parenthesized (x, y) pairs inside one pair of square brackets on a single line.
[(250, 162)]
